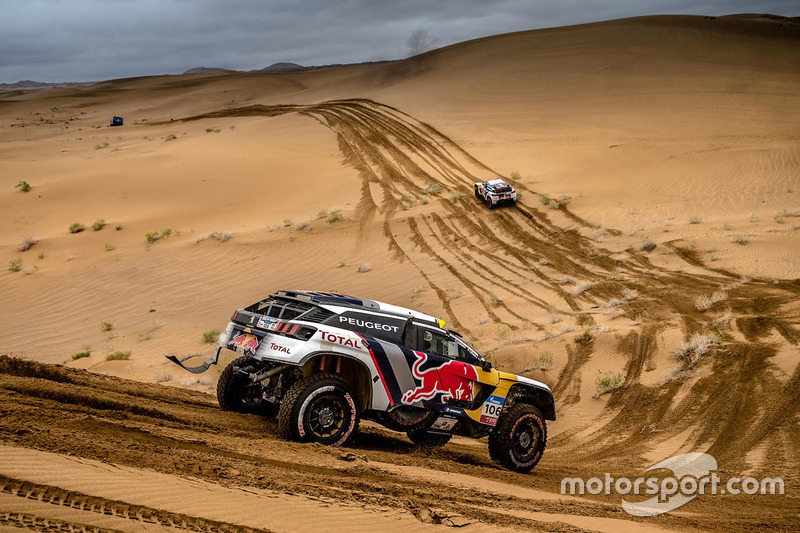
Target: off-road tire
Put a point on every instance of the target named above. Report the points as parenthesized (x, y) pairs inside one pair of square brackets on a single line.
[(490, 202), (519, 439), (400, 421), (425, 439), (320, 408), (232, 392), (231, 387)]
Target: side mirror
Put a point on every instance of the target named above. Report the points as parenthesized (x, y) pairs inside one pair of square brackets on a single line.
[(486, 365)]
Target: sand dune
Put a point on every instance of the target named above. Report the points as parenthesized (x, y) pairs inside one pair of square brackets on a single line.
[(677, 135)]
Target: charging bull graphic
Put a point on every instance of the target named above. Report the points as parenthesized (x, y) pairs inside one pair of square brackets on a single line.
[(245, 341), (453, 380)]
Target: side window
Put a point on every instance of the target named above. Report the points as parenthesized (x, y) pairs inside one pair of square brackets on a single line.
[(435, 343), (468, 355)]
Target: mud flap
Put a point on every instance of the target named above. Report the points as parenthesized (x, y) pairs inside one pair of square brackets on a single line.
[(196, 369)]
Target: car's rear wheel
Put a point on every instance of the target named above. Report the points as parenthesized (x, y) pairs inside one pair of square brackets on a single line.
[(320, 408), (519, 439), (236, 393)]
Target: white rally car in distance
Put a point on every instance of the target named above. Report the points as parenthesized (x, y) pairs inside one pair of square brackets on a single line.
[(321, 361), (495, 192)]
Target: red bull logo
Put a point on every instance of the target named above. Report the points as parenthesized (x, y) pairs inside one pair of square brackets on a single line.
[(453, 380), (246, 342)]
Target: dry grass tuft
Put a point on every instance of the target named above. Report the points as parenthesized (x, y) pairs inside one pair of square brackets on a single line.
[(27, 242), (582, 287), (607, 382), (704, 303)]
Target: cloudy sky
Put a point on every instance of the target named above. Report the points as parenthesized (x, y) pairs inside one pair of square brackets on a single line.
[(88, 40)]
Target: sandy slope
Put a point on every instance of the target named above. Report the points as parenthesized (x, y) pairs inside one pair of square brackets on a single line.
[(647, 124)]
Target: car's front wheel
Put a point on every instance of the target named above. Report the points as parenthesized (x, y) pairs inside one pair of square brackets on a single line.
[(320, 408), (519, 438)]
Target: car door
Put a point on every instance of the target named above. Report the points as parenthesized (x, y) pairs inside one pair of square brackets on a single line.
[(439, 376)]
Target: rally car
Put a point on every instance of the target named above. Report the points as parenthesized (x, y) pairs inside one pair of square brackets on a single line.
[(495, 192), (322, 361)]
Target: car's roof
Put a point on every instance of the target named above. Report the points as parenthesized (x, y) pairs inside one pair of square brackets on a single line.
[(342, 300), (496, 182)]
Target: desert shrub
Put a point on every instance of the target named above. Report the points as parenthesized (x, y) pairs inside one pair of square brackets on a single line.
[(154, 236), (695, 220), (678, 374), (586, 336), (98, 224), (432, 188), (545, 199), (118, 227), (495, 300), (86, 352), (607, 382), (118, 355), (456, 195), (340, 264), (171, 137), (110, 247), (544, 361), (582, 287), (648, 245), (287, 222), (26, 242), (698, 346), (76, 227), (15, 265), (210, 336), (706, 302), (630, 294), (612, 302), (363, 267), (563, 200), (515, 175), (780, 218), (221, 236), (161, 376), (106, 326), (321, 214), (334, 217), (754, 218), (23, 186)]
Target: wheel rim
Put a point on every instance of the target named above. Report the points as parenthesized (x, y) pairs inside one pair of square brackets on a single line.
[(525, 440), (326, 416)]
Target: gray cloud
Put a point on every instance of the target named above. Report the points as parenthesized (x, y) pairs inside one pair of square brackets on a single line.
[(82, 40)]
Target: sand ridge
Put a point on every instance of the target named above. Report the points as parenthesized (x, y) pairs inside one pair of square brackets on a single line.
[(676, 138)]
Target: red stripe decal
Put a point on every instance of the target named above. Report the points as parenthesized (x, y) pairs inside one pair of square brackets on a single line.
[(378, 368), (294, 328)]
